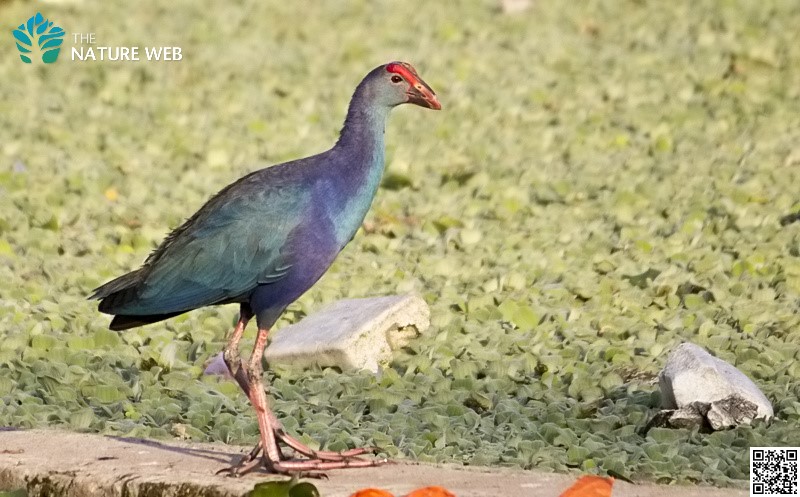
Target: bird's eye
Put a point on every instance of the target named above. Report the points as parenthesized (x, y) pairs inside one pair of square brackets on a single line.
[(396, 79)]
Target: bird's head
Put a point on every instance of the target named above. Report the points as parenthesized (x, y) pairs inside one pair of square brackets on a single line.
[(398, 83)]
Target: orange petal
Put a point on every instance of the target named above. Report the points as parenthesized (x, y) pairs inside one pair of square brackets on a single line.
[(431, 492), (590, 486), (372, 492)]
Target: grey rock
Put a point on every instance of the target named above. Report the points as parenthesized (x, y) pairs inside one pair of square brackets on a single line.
[(692, 375), (351, 334), (730, 412), (718, 415), (687, 417), (660, 420)]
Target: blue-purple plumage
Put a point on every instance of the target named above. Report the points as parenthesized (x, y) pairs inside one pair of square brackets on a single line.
[(263, 241), (268, 237)]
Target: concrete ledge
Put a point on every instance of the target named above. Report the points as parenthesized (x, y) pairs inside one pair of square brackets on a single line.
[(52, 463)]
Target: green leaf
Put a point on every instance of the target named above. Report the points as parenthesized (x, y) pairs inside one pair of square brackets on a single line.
[(20, 492), (106, 338), (81, 419), (288, 488), (520, 314), (304, 489), (576, 455)]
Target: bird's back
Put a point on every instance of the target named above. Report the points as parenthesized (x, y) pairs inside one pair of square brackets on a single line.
[(266, 238), (235, 242)]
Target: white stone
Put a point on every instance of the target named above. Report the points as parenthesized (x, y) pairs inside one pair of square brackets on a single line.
[(351, 334), (693, 375), (514, 6)]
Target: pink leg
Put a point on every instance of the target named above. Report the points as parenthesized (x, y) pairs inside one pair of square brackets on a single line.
[(272, 431), (258, 398), (230, 353)]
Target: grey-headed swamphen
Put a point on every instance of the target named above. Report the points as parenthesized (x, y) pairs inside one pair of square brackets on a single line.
[(264, 240)]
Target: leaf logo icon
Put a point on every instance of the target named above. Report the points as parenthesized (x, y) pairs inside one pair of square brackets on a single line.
[(39, 37)]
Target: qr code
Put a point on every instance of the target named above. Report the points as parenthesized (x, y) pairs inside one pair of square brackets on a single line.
[(773, 471)]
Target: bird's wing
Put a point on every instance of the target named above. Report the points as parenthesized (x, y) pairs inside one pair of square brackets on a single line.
[(231, 245)]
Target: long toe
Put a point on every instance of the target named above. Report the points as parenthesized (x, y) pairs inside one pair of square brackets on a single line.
[(245, 467), (294, 466), (253, 453), (245, 464), (323, 455)]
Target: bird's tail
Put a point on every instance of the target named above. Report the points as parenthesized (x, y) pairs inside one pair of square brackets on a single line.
[(123, 322), (117, 292)]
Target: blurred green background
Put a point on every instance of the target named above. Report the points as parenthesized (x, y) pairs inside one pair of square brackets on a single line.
[(605, 181)]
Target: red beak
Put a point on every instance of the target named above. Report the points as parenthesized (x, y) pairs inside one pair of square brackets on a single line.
[(421, 94)]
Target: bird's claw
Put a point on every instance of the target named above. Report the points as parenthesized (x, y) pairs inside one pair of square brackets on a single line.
[(244, 466), (317, 475), (313, 467)]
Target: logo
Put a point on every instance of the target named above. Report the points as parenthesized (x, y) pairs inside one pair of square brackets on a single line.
[(39, 38)]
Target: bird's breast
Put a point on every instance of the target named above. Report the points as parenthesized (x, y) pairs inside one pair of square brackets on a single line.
[(351, 208)]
